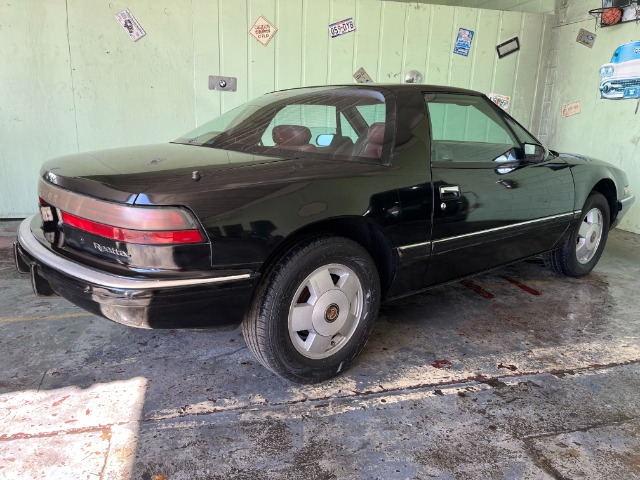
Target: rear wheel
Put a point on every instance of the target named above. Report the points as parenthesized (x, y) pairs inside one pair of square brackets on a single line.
[(580, 253), (314, 310)]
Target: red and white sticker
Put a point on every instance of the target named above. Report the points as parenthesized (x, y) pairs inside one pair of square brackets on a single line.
[(263, 30)]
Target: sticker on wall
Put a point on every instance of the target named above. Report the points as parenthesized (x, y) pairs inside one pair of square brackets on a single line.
[(342, 27), (463, 42), (362, 76), (570, 109), (620, 78), (130, 24), (263, 30), (586, 38), (503, 101)]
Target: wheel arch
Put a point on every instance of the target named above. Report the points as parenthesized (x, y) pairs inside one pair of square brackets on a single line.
[(607, 188), (365, 232)]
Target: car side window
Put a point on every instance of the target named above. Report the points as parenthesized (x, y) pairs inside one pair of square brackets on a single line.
[(465, 128), (319, 119)]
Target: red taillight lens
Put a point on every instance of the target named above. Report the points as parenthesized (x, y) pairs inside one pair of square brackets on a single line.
[(151, 237)]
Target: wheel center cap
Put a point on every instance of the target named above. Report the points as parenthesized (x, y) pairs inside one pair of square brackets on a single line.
[(593, 237), (331, 313)]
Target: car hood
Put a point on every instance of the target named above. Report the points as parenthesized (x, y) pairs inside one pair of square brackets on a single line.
[(176, 174), (578, 159)]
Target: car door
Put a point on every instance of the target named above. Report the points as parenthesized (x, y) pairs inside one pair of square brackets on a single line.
[(491, 205)]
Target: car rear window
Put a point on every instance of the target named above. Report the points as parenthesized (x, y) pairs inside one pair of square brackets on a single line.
[(343, 123)]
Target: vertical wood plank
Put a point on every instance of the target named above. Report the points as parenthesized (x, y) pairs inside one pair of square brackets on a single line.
[(441, 44), (341, 48), (525, 79), (261, 60), (206, 58), (484, 55), (392, 42), (461, 67), (289, 52), (367, 39), (505, 70), (234, 50), (417, 33), (316, 41)]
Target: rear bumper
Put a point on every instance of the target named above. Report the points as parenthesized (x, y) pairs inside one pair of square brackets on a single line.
[(143, 302)]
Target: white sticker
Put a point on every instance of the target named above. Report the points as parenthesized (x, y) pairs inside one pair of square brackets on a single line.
[(263, 30), (342, 27), (503, 101), (130, 24), (362, 76), (569, 109)]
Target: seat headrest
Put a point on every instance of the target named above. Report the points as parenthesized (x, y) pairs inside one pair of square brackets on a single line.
[(375, 134), (291, 135)]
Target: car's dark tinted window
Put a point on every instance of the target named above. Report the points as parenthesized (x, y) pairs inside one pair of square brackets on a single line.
[(344, 123), (466, 128)]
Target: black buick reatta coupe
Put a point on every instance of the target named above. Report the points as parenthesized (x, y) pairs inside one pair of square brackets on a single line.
[(296, 213)]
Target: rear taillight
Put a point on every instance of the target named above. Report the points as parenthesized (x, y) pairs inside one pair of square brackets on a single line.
[(174, 229)]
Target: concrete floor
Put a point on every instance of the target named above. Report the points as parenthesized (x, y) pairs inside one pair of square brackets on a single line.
[(519, 374)]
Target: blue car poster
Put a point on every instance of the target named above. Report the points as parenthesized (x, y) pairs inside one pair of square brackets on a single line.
[(463, 42), (620, 78)]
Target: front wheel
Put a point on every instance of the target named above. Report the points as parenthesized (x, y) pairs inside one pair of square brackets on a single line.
[(580, 253), (314, 310)]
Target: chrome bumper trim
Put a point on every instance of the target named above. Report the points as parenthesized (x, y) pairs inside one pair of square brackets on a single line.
[(628, 199), (32, 246)]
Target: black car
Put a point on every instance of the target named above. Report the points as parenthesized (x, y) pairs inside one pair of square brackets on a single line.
[(296, 213)]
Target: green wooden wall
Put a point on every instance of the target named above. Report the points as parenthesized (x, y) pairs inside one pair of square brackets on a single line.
[(605, 129), (74, 81)]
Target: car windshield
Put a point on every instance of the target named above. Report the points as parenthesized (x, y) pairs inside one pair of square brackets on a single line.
[(345, 123)]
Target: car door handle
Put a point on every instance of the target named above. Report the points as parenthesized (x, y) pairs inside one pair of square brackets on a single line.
[(449, 191)]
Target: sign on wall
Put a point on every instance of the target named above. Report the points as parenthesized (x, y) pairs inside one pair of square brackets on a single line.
[(263, 30), (586, 38), (463, 42), (620, 78), (342, 27), (130, 24), (570, 109)]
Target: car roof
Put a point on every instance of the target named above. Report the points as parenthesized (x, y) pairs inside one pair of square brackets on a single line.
[(397, 87)]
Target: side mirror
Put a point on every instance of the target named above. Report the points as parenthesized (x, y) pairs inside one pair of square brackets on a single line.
[(325, 139), (534, 153)]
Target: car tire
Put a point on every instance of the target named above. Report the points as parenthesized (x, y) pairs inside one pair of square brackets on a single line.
[(581, 251), (314, 310)]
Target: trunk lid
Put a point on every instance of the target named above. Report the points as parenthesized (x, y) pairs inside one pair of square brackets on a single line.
[(121, 174)]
